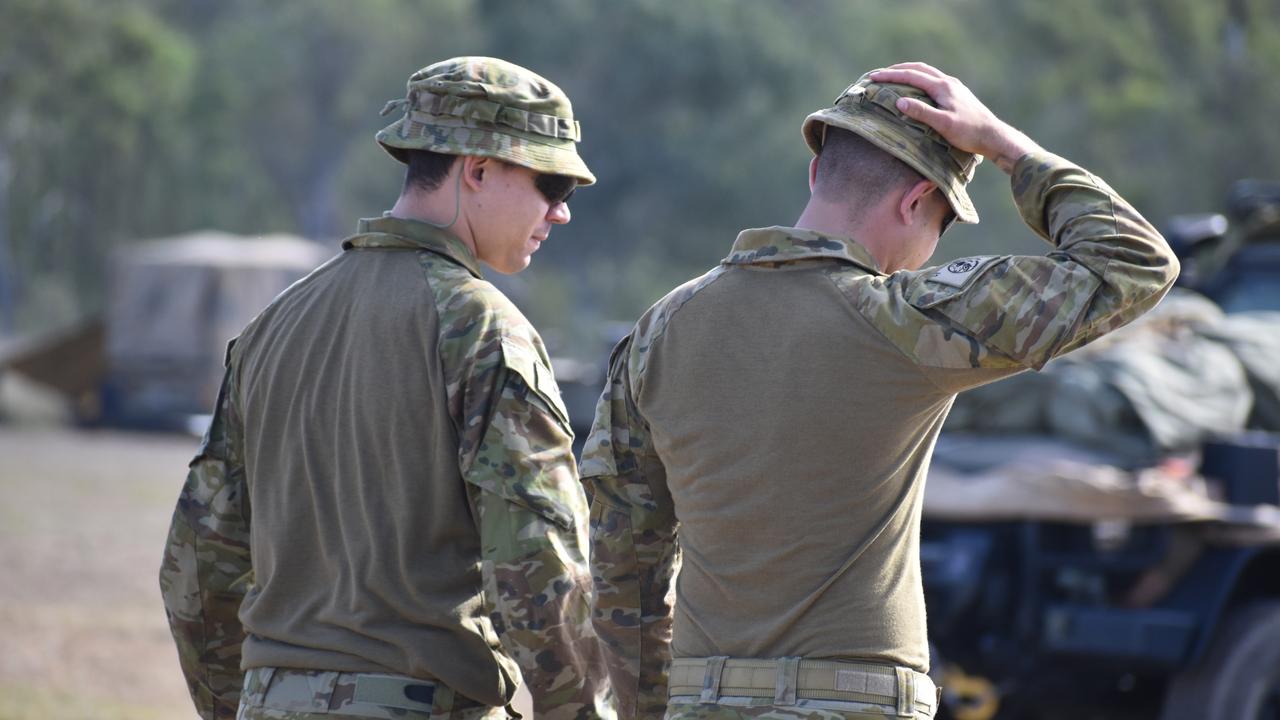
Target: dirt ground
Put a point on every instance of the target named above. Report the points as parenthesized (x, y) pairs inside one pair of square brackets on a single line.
[(83, 518), (82, 523)]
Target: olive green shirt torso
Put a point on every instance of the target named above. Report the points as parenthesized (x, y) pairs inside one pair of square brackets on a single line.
[(355, 481), (794, 448), (365, 548)]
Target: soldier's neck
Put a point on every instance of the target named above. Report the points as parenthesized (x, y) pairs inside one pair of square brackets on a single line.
[(833, 219), (874, 228), (438, 208)]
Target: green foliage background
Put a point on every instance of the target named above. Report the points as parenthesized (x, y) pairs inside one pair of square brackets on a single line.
[(128, 119)]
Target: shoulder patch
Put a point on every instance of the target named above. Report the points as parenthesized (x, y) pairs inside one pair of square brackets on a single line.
[(958, 272), (524, 362)]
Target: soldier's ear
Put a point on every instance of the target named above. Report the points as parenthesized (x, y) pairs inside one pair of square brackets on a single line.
[(474, 170), (913, 205), (813, 172)]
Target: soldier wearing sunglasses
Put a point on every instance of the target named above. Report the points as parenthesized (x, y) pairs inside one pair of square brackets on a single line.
[(385, 519)]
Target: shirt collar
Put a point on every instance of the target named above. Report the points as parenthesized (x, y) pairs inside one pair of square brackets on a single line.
[(394, 232), (784, 244)]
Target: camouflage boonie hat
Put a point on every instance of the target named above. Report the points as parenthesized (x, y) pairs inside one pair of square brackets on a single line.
[(870, 110), (488, 107)]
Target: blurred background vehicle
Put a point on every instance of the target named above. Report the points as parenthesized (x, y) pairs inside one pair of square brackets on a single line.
[(153, 359)]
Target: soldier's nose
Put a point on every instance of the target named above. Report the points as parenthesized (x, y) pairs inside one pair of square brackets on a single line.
[(559, 213)]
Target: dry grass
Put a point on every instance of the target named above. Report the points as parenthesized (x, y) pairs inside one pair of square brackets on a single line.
[(82, 525), (83, 518)]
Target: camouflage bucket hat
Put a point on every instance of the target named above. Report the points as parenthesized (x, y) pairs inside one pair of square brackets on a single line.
[(870, 110), (488, 107)]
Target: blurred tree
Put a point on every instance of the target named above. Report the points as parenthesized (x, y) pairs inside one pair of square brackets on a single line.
[(86, 87), (1170, 100), (284, 93), (128, 118)]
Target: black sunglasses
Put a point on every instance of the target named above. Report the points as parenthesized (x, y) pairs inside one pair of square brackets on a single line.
[(947, 222), (556, 188)]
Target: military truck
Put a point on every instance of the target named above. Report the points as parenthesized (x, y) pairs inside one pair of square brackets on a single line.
[(1157, 617), (153, 358), (1236, 262), (1120, 592)]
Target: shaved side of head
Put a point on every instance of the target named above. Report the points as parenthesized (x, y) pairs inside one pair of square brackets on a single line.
[(854, 171)]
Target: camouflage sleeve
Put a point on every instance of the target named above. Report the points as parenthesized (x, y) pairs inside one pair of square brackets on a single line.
[(206, 569), (977, 319), (533, 531), (515, 452), (634, 553)]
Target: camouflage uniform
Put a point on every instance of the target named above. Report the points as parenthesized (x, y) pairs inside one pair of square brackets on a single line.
[(384, 518), (778, 413)]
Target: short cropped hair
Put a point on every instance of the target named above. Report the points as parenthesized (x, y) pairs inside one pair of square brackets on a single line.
[(427, 169), (852, 169)]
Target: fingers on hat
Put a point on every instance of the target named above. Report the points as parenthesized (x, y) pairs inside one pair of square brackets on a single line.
[(920, 66), (920, 110), (916, 78)]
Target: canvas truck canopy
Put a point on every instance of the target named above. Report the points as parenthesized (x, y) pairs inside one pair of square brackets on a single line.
[(1177, 376), (173, 304), (1116, 430)]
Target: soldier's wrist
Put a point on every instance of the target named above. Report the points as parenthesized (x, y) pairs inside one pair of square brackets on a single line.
[(1010, 146)]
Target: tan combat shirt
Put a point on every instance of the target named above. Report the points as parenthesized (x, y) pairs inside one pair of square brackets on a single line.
[(388, 486), (777, 416)]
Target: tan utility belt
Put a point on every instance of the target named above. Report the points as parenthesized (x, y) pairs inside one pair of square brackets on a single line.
[(374, 695), (788, 679)]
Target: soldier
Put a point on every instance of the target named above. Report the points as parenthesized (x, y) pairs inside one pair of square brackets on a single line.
[(384, 519), (784, 407)]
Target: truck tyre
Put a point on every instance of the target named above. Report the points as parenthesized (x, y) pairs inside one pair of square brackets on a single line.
[(1239, 676)]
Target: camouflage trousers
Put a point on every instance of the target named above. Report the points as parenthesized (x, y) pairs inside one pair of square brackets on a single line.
[(288, 694)]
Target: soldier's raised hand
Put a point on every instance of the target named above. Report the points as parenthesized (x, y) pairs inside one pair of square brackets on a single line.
[(960, 116)]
